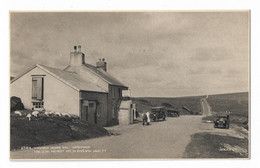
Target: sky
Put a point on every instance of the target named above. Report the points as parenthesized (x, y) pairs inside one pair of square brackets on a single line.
[(156, 54)]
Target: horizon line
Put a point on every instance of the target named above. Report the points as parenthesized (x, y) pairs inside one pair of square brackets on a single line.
[(190, 95)]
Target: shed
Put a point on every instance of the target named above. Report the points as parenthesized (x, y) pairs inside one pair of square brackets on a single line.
[(126, 112)]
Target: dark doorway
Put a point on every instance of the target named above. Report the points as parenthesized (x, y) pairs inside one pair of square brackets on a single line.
[(84, 110), (89, 111), (93, 110)]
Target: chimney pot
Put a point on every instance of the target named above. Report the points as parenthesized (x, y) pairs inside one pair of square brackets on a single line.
[(77, 58), (79, 48), (101, 64)]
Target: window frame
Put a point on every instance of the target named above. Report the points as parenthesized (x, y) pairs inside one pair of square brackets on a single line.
[(35, 91)]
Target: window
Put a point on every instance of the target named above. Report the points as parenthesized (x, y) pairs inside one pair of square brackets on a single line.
[(37, 88), (38, 105), (34, 89), (113, 93), (91, 105)]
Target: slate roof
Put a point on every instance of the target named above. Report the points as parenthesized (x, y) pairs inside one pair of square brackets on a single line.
[(71, 78), (101, 73)]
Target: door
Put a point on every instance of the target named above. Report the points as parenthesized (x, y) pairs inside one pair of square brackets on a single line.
[(92, 109), (89, 111), (84, 110)]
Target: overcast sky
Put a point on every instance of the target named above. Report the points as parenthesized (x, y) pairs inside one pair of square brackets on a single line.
[(155, 54)]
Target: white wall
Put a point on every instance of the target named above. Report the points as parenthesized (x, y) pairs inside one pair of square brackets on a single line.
[(125, 115), (57, 95)]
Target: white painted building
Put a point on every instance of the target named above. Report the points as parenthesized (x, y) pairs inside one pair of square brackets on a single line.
[(80, 89)]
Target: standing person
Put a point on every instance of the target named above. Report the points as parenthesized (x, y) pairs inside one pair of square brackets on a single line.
[(136, 114), (148, 117), (144, 116)]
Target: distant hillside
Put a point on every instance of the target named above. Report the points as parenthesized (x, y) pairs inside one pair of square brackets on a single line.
[(234, 102), (145, 103), (231, 101)]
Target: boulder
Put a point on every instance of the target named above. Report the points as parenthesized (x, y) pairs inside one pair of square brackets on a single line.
[(16, 103)]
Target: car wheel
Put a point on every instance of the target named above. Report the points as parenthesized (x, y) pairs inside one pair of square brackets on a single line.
[(164, 118)]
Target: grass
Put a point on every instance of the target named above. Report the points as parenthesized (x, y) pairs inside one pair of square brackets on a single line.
[(236, 103), (45, 130), (206, 145)]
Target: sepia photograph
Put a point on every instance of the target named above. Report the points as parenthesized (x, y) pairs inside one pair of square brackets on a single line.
[(95, 85)]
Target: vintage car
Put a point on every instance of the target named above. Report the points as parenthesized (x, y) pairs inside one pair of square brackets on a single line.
[(158, 113), (173, 113), (222, 122)]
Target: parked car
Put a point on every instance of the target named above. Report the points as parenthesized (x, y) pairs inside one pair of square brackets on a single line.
[(173, 113), (158, 113), (222, 122)]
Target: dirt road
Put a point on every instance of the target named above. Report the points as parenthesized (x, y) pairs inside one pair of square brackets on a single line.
[(206, 110), (164, 139)]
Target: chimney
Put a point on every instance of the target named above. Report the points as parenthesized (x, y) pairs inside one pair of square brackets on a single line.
[(77, 58), (102, 64)]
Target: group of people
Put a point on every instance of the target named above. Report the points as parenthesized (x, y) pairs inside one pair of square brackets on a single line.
[(146, 118)]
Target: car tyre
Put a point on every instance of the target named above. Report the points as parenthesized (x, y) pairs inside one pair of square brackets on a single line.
[(156, 119)]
